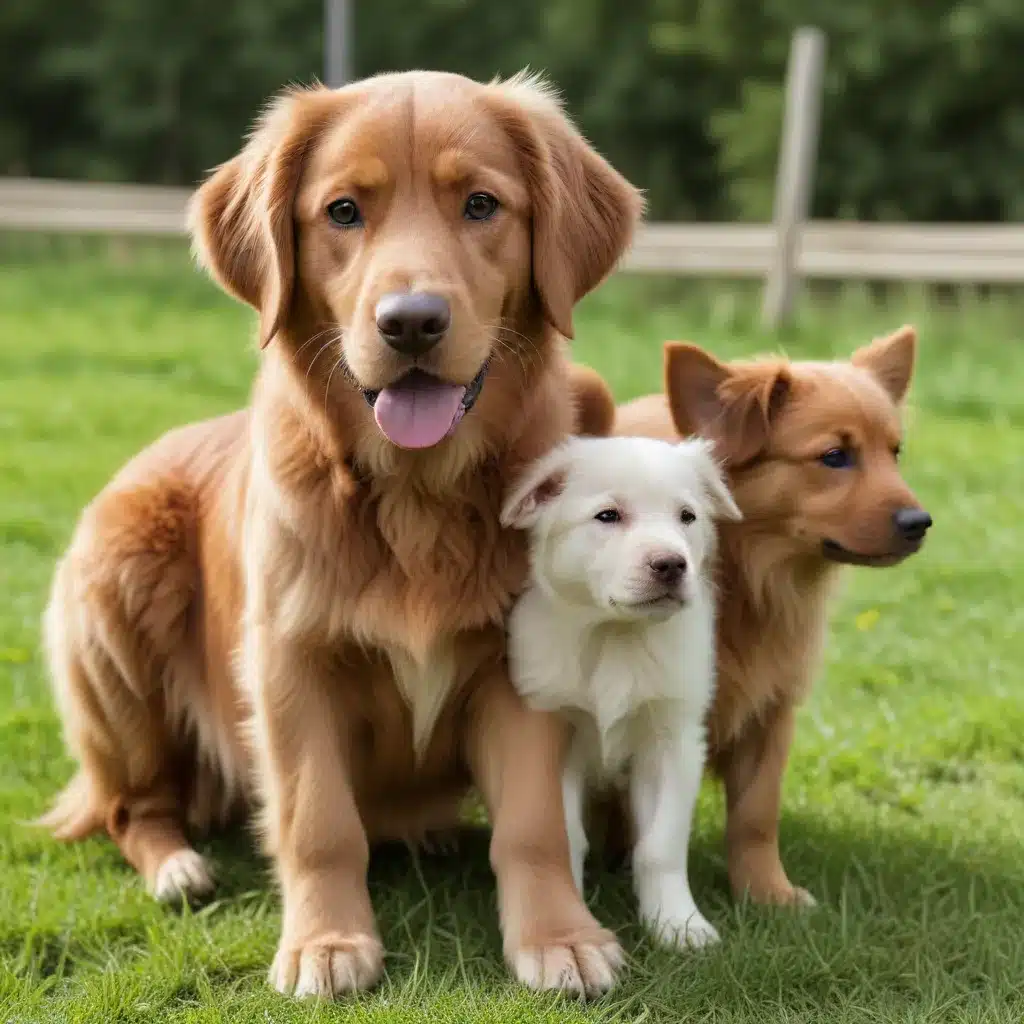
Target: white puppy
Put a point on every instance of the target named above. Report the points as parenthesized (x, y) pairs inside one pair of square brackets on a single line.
[(616, 630)]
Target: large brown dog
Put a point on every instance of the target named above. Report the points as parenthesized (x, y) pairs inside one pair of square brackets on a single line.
[(331, 559), (811, 453)]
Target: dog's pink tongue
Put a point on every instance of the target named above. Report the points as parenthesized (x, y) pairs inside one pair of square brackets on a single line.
[(418, 411)]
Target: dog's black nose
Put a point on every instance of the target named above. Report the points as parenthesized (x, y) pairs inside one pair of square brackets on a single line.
[(413, 322), (912, 523), (668, 569)]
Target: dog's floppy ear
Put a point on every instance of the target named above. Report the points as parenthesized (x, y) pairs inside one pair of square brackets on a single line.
[(712, 477), (593, 400), (542, 481), (584, 211), (890, 360), (732, 406), (240, 218)]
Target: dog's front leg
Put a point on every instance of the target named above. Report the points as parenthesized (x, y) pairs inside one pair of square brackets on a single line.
[(752, 770), (551, 940), (664, 784), (329, 942), (574, 799)]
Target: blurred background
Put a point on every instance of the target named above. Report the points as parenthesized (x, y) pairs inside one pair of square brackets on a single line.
[(923, 102)]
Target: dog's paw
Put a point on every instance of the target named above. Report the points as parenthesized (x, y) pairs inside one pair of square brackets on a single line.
[(692, 932), (330, 966), (183, 877), (801, 898), (581, 969), (781, 895), (669, 911)]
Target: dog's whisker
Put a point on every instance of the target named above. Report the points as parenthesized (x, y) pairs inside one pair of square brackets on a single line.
[(327, 389), (323, 348), (307, 342), (498, 329), (500, 326), (341, 363), (500, 356), (519, 341), (503, 350), (315, 337)]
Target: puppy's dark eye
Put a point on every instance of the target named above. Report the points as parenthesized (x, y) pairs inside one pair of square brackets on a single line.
[(609, 515), (687, 516), (837, 458), (897, 450), (345, 213), (480, 206)]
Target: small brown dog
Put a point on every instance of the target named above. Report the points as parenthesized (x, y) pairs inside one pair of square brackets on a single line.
[(811, 452), (330, 563)]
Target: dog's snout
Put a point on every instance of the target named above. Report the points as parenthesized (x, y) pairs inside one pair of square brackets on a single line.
[(912, 523), (413, 322), (668, 569)]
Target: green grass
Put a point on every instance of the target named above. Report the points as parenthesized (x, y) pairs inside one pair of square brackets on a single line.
[(904, 807)]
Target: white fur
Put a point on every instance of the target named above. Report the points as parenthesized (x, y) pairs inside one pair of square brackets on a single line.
[(634, 678), (183, 876), (426, 686)]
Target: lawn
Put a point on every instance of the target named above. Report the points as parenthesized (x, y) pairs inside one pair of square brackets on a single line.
[(904, 806)]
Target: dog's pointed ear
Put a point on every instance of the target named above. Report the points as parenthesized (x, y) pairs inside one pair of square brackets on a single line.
[(890, 360), (712, 476), (593, 400), (732, 406), (241, 218), (541, 482), (692, 380), (584, 211)]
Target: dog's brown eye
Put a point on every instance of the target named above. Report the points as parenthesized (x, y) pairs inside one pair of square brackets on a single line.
[(609, 515), (838, 458), (896, 451), (344, 213), (480, 206), (687, 516)]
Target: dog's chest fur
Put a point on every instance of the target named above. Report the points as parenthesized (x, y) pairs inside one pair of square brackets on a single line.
[(443, 561), (771, 632), (619, 683), (393, 566)]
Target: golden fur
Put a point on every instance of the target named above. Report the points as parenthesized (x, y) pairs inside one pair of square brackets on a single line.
[(771, 420), (287, 583)]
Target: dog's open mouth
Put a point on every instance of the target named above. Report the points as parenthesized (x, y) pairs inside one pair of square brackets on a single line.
[(420, 410), (835, 552), (662, 601)]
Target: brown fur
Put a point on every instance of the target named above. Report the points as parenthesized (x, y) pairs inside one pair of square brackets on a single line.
[(594, 402), (771, 420), (286, 580)]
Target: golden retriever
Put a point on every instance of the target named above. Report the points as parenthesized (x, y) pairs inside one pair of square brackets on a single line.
[(811, 452), (321, 581)]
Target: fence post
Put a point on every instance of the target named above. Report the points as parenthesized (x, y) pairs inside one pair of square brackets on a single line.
[(794, 182), (337, 42)]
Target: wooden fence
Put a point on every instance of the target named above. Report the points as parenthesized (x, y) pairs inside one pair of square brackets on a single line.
[(781, 253), (838, 250)]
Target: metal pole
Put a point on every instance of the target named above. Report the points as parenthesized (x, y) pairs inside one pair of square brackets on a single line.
[(794, 184), (337, 42)]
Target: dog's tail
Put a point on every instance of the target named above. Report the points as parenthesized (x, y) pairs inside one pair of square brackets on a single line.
[(594, 402), (74, 814)]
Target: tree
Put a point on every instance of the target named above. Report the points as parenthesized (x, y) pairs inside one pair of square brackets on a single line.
[(923, 111)]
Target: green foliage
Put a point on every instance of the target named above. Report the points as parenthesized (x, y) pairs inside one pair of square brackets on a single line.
[(923, 112)]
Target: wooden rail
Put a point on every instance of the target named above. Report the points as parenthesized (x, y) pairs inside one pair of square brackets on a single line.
[(951, 253)]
